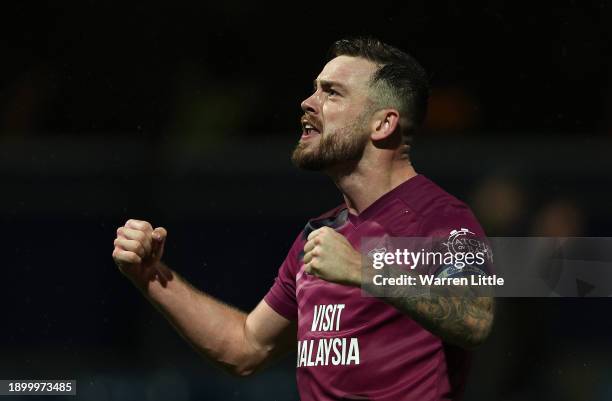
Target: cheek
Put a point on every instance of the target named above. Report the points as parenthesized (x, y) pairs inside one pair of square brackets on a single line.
[(333, 115)]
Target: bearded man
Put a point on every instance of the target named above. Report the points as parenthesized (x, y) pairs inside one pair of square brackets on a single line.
[(367, 103)]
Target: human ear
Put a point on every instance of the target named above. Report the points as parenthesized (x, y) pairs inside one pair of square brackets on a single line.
[(384, 123)]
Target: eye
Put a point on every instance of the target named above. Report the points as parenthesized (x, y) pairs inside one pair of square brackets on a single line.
[(331, 92)]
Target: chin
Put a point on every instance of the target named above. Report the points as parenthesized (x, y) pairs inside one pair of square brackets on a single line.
[(306, 160)]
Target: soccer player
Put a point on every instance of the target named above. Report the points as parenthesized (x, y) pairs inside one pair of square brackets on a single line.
[(367, 101)]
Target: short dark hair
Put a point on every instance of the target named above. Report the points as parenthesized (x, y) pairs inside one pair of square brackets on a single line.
[(400, 80)]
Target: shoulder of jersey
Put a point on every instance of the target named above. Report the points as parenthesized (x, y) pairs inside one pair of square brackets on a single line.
[(441, 212), (428, 198)]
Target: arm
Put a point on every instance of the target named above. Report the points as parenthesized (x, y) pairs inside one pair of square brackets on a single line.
[(457, 316), (462, 320), (238, 342), (458, 320)]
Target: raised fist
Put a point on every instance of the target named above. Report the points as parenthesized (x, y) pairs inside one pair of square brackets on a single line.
[(138, 251)]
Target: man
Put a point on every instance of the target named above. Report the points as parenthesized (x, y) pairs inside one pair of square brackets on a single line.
[(368, 99)]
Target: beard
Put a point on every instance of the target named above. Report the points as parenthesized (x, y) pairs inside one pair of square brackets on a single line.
[(342, 146)]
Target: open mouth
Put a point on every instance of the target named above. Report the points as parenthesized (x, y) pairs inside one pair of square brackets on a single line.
[(309, 130)]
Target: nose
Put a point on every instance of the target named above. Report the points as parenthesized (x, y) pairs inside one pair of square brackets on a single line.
[(310, 104)]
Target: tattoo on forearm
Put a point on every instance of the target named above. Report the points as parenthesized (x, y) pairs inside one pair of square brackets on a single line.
[(457, 315), (461, 320)]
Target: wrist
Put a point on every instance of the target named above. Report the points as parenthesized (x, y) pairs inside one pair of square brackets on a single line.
[(155, 280), (357, 276)]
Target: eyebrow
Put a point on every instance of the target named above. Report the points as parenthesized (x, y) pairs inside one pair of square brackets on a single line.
[(325, 83)]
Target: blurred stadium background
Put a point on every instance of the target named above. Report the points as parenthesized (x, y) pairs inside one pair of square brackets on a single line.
[(186, 116)]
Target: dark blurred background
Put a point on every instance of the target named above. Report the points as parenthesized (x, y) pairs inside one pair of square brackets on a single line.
[(185, 115)]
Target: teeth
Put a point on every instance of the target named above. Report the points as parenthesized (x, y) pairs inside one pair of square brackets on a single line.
[(308, 126)]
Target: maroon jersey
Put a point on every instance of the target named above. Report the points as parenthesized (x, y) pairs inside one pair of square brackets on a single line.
[(353, 347)]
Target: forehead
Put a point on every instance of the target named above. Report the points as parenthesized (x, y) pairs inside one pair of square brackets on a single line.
[(349, 71)]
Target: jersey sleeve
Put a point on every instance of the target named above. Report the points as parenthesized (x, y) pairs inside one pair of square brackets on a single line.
[(456, 234), (281, 296)]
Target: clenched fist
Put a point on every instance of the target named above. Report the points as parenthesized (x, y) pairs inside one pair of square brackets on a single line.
[(138, 251), (328, 255)]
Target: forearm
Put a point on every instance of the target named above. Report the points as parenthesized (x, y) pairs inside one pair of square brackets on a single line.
[(456, 315), (214, 329), (461, 321)]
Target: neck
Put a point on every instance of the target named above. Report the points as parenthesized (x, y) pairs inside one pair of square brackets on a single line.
[(363, 182)]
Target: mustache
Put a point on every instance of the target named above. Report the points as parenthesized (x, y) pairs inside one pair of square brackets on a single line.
[(305, 119)]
